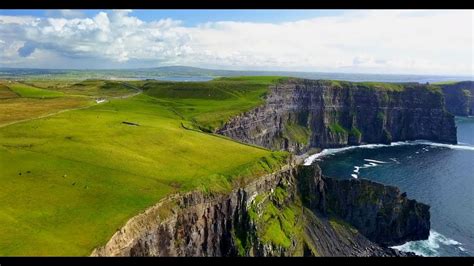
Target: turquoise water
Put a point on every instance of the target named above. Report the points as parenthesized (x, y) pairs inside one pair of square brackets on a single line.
[(439, 175)]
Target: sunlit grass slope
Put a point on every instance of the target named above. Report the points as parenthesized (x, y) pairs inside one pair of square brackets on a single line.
[(210, 104), (69, 181), (27, 91), (20, 102)]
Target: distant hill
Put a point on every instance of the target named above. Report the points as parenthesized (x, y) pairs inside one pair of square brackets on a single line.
[(186, 73)]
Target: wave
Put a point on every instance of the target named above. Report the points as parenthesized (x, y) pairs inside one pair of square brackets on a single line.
[(356, 169), (374, 161), (395, 160), (429, 247), (310, 159)]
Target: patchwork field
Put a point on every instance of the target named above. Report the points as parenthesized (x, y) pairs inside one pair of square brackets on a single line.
[(70, 180)]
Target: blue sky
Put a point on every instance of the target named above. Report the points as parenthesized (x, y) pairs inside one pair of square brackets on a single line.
[(193, 17), (351, 41)]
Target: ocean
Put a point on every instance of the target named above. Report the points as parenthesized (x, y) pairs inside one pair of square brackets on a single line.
[(440, 175)]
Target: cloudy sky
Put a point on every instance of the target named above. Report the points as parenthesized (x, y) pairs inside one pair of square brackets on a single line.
[(376, 41)]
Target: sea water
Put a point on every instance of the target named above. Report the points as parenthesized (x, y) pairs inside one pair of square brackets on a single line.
[(440, 175)]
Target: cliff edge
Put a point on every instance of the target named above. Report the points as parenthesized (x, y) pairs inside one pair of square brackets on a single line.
[(302, 114)]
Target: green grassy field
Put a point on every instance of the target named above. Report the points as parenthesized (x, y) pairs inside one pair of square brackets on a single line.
[(210, 104), (89, 87), (70, 180), (27, 91)]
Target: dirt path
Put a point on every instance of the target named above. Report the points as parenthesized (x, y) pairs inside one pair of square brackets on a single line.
[(138, 91)]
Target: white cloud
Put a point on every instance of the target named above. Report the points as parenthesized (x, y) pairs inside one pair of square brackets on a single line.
[(423, 42), (65, 13)]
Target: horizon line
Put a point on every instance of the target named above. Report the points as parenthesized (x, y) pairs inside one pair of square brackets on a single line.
[(237, 70)]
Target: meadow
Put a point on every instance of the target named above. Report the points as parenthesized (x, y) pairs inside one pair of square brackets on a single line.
[(71, 179), (210, 104)]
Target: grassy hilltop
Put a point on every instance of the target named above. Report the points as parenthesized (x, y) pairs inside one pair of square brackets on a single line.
[(210, 104), (71, 179)]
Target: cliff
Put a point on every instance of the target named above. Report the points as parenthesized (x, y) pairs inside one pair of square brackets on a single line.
[(381, 213), (459, 98), (287, 213), (302, 114), (297, 211)]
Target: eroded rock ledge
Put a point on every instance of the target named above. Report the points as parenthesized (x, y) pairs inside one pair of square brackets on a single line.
[(292, 212)]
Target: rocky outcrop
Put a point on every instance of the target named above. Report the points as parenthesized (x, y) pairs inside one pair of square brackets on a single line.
[(302, 114), (381, 213), (459, 97), (271, 216), (193, 224)]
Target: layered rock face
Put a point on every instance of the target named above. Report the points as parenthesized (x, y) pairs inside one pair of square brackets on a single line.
[(381, 213), (194, 224), (302, 114), (459, 98), (288, 213)]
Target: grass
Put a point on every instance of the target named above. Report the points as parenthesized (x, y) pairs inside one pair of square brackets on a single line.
[(89, 87), (298, 133), (69, 181), (28, 91), (277, 221), (355, 132), (385, 86), (211, 104), (336, 128), (17, 109), (7, 93), (449, 82)]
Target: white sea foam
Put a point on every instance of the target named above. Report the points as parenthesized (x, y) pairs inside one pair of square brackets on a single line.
[(356, 169), (310, 159), (395, 160), (368, 165), (355, 176), (429, 247), (374, 161)]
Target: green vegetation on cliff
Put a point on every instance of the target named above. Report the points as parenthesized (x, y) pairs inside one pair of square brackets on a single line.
[(297, 133), (278, 222), (355, 132), (336, 128)]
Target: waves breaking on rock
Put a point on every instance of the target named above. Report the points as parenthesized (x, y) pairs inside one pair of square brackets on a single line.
[(431, 246), (315, 157)]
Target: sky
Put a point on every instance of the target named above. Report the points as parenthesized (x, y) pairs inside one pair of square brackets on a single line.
[(432, 42)]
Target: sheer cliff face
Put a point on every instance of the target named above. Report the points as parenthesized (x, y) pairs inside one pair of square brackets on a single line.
[(303, 114), (379, 212), (288, 213), (459, 98)]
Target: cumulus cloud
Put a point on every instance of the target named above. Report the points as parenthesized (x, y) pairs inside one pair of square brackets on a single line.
[(424, 42)]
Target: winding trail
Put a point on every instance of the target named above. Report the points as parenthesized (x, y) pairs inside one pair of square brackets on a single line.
[(138, 91)]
